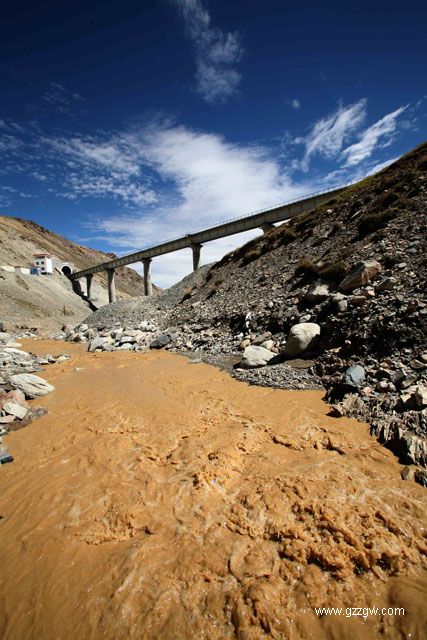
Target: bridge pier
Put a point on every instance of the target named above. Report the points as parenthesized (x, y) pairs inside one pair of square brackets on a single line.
[(148, 287), (89, 278), (111, 286), (196, 248)]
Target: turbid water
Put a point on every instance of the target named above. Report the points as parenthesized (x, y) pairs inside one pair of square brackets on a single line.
[(160, 499)]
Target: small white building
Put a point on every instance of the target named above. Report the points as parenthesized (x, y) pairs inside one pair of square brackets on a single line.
[(43, 261)]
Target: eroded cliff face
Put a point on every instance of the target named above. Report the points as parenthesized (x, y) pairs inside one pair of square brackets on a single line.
[(163, 499)]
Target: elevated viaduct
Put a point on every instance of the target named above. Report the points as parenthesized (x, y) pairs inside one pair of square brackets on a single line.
[(264, 220)]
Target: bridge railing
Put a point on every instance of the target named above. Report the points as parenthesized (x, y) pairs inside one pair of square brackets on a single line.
[(286, 203)]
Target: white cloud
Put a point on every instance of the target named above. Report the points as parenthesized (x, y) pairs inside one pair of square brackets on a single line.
[(112, 155), (216, 53), (213, 180), (101, 167), (295, 104), (9, 143), (60, 99), (378, 135), (329, 134)]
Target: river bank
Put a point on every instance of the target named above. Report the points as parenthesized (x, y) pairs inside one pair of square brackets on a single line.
[(164, 499)]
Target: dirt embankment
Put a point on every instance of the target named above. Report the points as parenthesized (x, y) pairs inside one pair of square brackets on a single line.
[(163, 499)]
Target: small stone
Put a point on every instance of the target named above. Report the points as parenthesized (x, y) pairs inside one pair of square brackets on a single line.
[(161, 341), (407, 473), (5, 457), (418, 365), (407, 382), (342, 305), (358, 301), (16, 396), (386, 284), (420, 396), (63, 358), (97, 343), (268, 344), (421, 477), (362, 274), (355, 376), (317, 293), (15, 410)]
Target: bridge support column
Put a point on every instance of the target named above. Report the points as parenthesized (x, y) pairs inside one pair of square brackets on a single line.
[(111, 286), (89, 278), (196, 248), (148, 287), (267, 227)]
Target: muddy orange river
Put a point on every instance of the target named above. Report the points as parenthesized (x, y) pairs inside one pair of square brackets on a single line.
[(160, 499)]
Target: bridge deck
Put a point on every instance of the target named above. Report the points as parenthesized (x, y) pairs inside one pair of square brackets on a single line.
[(279, 213)]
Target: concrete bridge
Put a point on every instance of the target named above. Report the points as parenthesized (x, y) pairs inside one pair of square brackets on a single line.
[(264, 220)]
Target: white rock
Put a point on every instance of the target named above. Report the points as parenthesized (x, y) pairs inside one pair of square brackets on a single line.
[(301, 337), (31, 385), (317, 293), (15, 410), (22, 355), (254, 356), (268, 344), (97, 343)]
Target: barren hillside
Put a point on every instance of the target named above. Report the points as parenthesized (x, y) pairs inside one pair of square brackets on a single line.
[(46, 302)]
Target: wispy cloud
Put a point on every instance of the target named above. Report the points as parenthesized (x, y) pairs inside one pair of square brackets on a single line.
[(328, 135), (60, 99), (378, 135), (108, 166), (217, 53), (294, 103)]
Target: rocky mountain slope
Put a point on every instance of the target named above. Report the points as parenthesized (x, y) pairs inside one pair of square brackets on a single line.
[(50, 302), (341, 289)]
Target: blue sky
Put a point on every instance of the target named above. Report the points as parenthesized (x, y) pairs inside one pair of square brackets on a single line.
[(123, 124)]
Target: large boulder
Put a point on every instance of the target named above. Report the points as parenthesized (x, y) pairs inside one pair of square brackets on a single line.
[(17, 354), (362, 274), (301, 337), (31, 385), (254, 356)]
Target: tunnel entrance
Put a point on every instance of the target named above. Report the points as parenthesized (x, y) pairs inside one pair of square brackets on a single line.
[(66, 270)]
